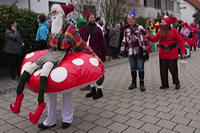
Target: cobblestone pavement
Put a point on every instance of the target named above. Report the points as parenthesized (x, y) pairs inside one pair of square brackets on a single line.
[(120, 110)]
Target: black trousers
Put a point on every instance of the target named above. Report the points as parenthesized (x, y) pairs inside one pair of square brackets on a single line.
[(40, 45), (114, 52), (14, 65), (170, 65), (100, 81)]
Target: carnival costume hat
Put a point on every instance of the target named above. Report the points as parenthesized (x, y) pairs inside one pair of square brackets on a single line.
[(132, 13), (169, 20), (81, 22), (184, 24), (62, 9), (88, 13)]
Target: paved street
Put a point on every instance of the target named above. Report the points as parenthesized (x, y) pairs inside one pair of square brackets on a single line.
[(120, 110)]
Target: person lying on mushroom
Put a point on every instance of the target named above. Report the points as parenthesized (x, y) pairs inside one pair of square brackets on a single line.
[(63, 40)]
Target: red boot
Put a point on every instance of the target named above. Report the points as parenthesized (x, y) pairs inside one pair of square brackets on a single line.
[(36, 116), (16, 108)]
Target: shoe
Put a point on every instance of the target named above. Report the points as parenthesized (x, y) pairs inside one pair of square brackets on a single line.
[(132, 86), (98, 94), (114, 58), (43, 127), (91, 93), (177, 86), (86, 88), (164, 87), (14, 78), (34, 117), (142, 88), (65, 125), (15, 108)]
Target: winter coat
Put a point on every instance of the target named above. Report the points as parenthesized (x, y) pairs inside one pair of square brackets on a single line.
[(114, 37), (13, 42), (42, 31), (135, 40), (97, 41)]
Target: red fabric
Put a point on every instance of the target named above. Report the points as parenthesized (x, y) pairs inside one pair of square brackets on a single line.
[(195, 31), (87, 13), (77, 75), (184, 24), (17, 105), (67, 8), (34, 118), (168, 20), (174, 19), (172, 37), (156, 26)]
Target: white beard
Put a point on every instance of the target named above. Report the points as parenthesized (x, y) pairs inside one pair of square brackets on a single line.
[(57, 22)]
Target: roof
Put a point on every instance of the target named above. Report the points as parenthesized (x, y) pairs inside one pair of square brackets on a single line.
[(195, 3)]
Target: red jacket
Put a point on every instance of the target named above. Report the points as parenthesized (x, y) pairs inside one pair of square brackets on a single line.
[(172, 37)]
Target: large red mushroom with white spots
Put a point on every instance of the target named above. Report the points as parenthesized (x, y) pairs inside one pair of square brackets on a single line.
[(74, 70)]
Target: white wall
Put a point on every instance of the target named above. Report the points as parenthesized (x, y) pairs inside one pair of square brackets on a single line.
[(186, 14), (152, 12), (42, 6), (39, 6)]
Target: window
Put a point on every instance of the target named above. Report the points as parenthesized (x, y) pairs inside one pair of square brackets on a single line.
[(172, 5), (157, 4), (169, 5), (178, 7), (145, 3)]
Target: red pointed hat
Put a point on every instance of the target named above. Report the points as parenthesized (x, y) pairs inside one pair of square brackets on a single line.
[(174, 19), (184, 24), (168, 20), (67, 8), (87, 13)]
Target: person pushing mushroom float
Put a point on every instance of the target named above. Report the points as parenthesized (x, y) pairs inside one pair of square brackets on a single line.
[(60, 68)]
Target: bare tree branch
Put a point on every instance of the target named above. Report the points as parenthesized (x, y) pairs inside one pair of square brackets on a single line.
[(111, 10)]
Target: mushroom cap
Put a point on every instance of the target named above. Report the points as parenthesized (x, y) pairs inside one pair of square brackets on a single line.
[(73, 71)]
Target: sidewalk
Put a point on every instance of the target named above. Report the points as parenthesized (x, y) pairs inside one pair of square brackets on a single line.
[(121, 110)]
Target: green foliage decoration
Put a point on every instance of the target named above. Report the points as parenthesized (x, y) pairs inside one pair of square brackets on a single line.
[(141, 21), (26, 25)]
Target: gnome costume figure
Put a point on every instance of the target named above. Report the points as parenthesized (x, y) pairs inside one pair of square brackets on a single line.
[(137, 48), (93, 35), (59, 46)]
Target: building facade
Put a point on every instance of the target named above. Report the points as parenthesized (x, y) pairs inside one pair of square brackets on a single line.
[(182, 9), (188, 8), (151, 8), (39, 6)]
